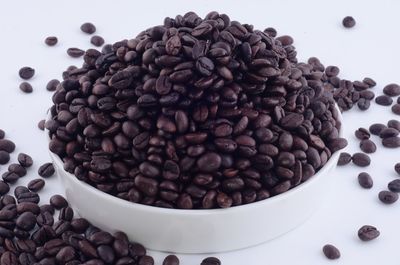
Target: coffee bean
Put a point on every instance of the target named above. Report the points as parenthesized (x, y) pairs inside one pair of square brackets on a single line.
[(26, 72), (361, 159), (394, 185), (52, 85), (26, 221), (4, 157), (369, 81), (368, 233), (388, 197), (397, 168), (362, 134), (75, 52), (348, 22), (367, 146), (36, 184), (392, 90), (18, 169), (271, 32), (388, 132), (97, 40), (2, 134), (395, 124), (363, 104), (376, 128), (25, 160), (88, 28), (26, 87), (344, 159), (384, 100), (4, 188), (391, 142), (41, 124), (7, 145), (171, 260), (211, 261), (51, 41), (331, 252), (58, 201), (365, 180), (46, 170), (10, 177), (396, 109)]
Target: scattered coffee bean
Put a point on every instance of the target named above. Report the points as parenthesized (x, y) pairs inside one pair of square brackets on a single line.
[(25, 160), (365, 180), (211, 261), (4, 188), (376, 128), (75, 52), (331, 252), (368, 233), (392, 90), (388, 197), (384, 100), (388, 132), (395, 124), (394, 185), (88, 28), (367, 146), (4, 157), (52, 85), (41, 124), (26, 87), (361, 159), (58, 201), (362, 134), (7, 145), (10, 177), (344, 159), (349, 22), (171, 260), (51, 41), (397, 168), (46, 170), (363, 104), (36, 184), (369, 81), (97, 41), (26, 72), (391, 142), (396, 109), (18, 169)]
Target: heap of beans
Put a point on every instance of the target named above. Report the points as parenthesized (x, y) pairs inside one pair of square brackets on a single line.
[(198, 113)]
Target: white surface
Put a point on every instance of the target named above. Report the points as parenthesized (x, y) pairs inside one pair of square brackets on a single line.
[(371, 48), (199, 231)]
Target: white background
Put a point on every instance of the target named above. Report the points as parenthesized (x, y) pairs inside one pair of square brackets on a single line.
[(369, 49)]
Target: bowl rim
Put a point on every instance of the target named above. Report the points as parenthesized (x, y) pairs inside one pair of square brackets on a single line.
[(199, 212)]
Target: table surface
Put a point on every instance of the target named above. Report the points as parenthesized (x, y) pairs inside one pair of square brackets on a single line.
[(371, 48)]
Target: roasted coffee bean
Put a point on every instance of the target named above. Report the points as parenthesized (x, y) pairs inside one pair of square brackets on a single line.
[(388, 197), (368, 233), (362, 134), (58, 201), (46, 170), (18, 169), (26, 87), (394, 185), (171, 260), (36, 184), (10, 177), (376, 128), (2, 134), (97, 40), (396, 109), (88, 28), (25, 160), (395, 124), (384, 100), (4, 157), (363, 104), (211, 261), (271, 32), (75, 52), (41, 124), (52, 85), (26, 221), (344, 159), (392, 90), (348, 22), (388, 132), (361, 159), (7, 145), (4, 188), (51, 41), (331, 252), (397, 168), (26, 72), (367, 146), (391, 142), (365, 180)]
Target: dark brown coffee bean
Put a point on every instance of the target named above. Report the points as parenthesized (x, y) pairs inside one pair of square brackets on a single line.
[(4, 157), (361, 159), (26, 221), (46, 170), (368, 233), (51, 41), (75, 52), (271, 32), (285, 40), (365, 180), (331, 252), (348, 22), (376, 128), (97, 40), (18, 169), (171, 260), (52, 85), (4, 188), (7, 145), (211, 261), (88, 28), (388, 132), (26, 72), (362, 134), (41, 124), (344, 159), (209, 162), (26, 87), (369, 81), (391, 142), (388, 197), (384, 100), (25, 160), (36, 185), (395, 124), (394, 185), (367, 146), (392, 90), (363, 104), (58, 201), (2, 134), (397, 168), (396, 109), (10, 177)]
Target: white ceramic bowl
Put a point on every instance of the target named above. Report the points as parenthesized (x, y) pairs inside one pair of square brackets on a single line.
[(199, 231)]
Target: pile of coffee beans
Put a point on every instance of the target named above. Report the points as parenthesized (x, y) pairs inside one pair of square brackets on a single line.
[(199, 113)]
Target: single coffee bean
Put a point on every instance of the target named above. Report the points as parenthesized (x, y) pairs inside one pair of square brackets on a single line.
[(368, 233), (367, 146), (52, 85), (36, 184), (388, 197), (349, 22), (395, 124), (361, 159), (271, 32), (331, 252), (46, 170), (362, 133), (211, 261), (146, 260), (10, 177), (97, 41), (365, 180), (4, 157), (369, 81), (51, 41), (25, 160), (384, 100), (88, 28), (26, 221), (26, 87), (41, 124), (363, 104), (396, 109), (4, 188), (376, 128), (26, 72), (392, 90), (7, 145), (388, 132), (171, 260), (397, 168), (391, 142), (75, 52), (344, 159), (58, 201), (394, 185)]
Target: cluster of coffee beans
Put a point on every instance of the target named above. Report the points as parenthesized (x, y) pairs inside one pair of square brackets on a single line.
[(199, 113)]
